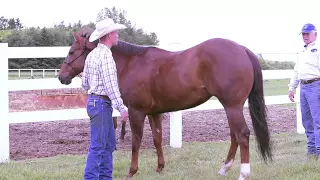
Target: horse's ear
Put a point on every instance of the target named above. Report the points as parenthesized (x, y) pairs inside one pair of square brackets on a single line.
[(76, 36)]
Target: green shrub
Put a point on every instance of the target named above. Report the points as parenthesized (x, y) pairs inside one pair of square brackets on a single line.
[(276, 65)]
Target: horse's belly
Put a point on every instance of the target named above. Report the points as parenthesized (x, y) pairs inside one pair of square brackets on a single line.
[(137, 96), (179, 97)]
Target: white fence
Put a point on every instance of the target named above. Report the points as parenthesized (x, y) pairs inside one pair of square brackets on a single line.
[(69, 114), (33, 72)]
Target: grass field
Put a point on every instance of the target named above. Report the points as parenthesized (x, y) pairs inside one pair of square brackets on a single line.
[(274, 87), (193, 161), (271, 87)]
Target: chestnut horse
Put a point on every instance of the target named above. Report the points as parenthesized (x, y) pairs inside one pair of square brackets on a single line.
[(154, 81)]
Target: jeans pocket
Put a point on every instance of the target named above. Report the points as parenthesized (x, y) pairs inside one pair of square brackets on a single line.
[(92, 108)]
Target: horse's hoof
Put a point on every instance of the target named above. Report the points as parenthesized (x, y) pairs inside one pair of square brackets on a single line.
[(223, 172), (127, 178), (244, 176), (159, 169), (131, 173), (225, 168)]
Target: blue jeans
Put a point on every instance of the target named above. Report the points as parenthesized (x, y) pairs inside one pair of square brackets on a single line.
[(99, 163), (310, 112)]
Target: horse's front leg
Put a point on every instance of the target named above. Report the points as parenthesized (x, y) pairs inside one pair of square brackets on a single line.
[(136, 119)]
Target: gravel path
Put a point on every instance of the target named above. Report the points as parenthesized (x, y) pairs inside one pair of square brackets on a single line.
[(44, 139)]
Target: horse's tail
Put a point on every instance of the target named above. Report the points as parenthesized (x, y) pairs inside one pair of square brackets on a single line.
[(257, 109)]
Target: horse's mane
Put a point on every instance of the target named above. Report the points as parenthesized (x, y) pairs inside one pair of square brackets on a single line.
[(124, 48)]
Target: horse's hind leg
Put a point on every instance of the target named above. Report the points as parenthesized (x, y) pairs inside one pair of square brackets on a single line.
[(231, 155), (156, 127), (115, 125), (241, 132)]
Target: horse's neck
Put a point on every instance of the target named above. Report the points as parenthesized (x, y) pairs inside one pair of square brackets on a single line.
[(153, 54), (120, 61)]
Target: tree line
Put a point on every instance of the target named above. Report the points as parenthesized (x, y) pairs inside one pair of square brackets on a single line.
[(15, 34)]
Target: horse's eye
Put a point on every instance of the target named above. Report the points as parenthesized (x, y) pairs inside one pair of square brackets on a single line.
[(70, 52)]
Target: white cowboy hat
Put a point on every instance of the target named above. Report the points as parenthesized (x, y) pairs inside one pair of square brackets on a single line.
[(105, 27)]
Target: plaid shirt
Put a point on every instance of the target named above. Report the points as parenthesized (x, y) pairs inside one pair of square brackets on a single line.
[(100, 75)]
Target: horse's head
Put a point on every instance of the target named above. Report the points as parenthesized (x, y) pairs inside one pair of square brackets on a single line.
[(74, 62)]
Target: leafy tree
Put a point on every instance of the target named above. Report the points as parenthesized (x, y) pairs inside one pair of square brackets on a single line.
[(131, 33), (13, 33), (11, 23)]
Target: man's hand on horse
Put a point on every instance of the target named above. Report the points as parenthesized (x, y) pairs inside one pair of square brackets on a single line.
[(124, 116)]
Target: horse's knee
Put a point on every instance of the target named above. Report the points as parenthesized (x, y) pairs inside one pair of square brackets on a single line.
[(245, 132)]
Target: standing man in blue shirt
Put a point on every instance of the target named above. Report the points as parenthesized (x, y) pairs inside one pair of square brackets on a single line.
[(307, 73)]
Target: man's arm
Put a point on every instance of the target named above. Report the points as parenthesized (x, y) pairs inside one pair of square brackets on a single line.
[(110, 80), (85, 84), (294, 81)]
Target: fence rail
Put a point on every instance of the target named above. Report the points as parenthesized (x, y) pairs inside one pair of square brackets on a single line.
[(68, 114), (33, 72)]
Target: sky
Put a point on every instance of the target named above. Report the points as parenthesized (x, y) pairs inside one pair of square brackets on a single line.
[(263, 26)]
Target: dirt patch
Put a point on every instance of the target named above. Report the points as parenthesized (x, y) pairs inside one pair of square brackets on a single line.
[(44, 139)]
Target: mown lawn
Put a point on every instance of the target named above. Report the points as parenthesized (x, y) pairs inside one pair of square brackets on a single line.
[(273, 87), (193, 161), (276, 87)]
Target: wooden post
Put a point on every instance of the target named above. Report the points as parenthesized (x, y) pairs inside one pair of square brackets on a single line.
[(300, 128), (176, 129)]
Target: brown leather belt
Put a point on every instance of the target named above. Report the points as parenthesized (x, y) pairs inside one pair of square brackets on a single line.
[(309, 81), (103, 96)]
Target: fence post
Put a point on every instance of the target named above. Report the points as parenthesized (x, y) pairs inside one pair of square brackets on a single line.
[(43, 73), (300, 128), (4, 103), (176, 129)]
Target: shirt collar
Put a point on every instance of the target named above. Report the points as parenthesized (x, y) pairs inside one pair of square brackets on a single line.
[(311, 44), (103, 46)]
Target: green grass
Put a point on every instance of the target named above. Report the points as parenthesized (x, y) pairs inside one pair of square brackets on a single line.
[(193, 161), (273, 87), (276, 87)]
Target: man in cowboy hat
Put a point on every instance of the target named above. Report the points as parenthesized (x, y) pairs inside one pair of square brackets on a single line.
[(100, 80), (306, 72)]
